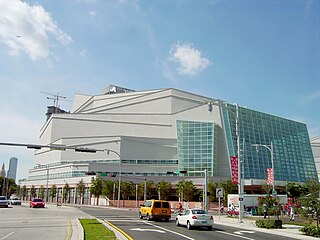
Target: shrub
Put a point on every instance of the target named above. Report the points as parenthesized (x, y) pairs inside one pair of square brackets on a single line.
[(311, 230), (268, 223)]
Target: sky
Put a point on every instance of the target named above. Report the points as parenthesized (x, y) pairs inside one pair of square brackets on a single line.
[(264, 55)]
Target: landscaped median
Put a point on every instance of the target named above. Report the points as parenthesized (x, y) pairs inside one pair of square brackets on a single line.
[(269, 223), (94, 230)]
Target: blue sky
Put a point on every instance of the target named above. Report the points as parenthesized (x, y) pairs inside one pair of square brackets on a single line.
[(261, 54)]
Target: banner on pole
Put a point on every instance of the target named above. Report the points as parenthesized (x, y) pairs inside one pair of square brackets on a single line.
[(234, 169), (270, 176)]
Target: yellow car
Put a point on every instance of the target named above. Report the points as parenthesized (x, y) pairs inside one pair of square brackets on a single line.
[(155, 209)]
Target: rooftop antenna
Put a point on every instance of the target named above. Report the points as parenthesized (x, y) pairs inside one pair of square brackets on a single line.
[(55, 98)]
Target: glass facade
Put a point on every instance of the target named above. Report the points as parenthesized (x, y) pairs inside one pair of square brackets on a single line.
[(293, 159), (196, 147)]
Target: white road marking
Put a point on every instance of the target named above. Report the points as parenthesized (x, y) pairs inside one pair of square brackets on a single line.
[(242, 232), (238, 236), (7, 236), (170, 231), (147, 230)]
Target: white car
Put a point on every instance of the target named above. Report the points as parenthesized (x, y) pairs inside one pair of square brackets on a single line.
[(195, 218), (14, 201)]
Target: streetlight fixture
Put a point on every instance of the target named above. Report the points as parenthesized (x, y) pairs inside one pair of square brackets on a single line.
[(236, 114), (120, 170), (270, 148)]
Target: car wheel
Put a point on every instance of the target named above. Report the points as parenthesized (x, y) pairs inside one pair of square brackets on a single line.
[(177, 222), (189, 225), (140, 215), (148, 217), (209, 228), (166, 219)]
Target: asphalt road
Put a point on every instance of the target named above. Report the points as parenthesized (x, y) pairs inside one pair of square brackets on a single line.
[(50, 223), (129, 222)]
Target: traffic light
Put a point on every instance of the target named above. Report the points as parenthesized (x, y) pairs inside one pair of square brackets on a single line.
[(88, 150)]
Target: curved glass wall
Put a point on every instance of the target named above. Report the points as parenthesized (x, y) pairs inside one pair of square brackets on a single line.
[(293, 159)]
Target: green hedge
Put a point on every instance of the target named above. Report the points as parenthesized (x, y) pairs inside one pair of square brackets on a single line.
[(268, 223), (311, 230)]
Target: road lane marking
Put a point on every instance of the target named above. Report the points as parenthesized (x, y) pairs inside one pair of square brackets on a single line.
[(235, 235), (120, 230), (7, 236), (242, 232), (165, 229), (147, 230), (68, 232)]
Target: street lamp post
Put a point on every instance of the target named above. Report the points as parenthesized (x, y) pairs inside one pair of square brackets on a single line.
[(120, 170), (240, 182), (145, 190), (270, 148)]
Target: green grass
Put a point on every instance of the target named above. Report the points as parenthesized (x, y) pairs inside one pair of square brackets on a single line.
[(94, 230)]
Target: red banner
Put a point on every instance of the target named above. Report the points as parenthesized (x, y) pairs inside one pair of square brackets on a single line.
[(270, 176), (234, 169)]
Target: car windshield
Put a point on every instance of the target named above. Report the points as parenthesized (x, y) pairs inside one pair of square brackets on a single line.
[(2, 198), (15, 198), (198, 212), (37, 200)]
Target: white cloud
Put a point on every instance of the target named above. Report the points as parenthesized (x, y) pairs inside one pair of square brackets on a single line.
[(190, 60), (92, 13), (26, 28)]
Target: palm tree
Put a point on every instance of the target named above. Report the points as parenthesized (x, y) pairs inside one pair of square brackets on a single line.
[(96, 187), (53, 192), (41, 191), (80, 190), (33, 192), (24, 192), (66, 193), (164, 189)]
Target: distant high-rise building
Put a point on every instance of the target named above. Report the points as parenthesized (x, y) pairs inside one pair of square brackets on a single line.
[(3, 171), (12, 172)]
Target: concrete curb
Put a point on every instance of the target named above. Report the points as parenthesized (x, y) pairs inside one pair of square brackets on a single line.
[(77, 230), (120, 235)]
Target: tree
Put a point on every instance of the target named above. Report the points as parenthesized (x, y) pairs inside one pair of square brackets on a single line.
[(96, 187), (127, 189), (33, 192), (310, 201), (80, 190), (53, 192), (228, 188), (212, 186), (148, 190), (295, 190), (164, 188), (24, 192), (186, 190), (66, 193), (41, 191), (107, 188)]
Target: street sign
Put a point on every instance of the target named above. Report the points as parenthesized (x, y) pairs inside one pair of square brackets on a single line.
[(219, 192)]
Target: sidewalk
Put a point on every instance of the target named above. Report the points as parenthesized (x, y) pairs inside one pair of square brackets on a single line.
[(288, 230)]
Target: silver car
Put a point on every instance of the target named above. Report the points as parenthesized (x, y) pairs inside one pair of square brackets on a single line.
[(3, 201)]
